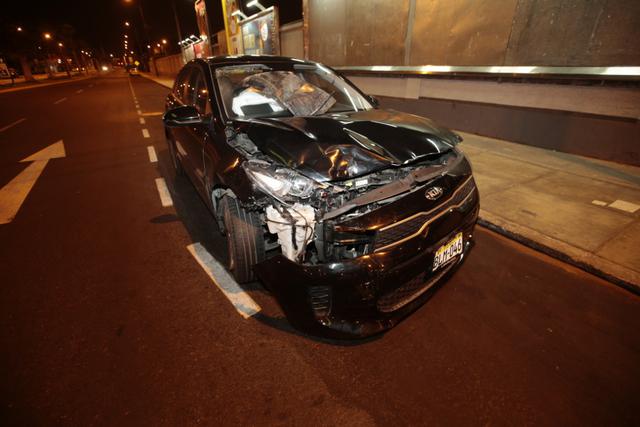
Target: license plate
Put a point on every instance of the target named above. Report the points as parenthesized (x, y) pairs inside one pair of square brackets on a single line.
[(448, 251)]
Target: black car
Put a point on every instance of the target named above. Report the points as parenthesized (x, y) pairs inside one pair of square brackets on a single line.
[(348, 213)]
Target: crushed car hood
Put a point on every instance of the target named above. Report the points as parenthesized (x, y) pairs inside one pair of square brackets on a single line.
[(340, 146)]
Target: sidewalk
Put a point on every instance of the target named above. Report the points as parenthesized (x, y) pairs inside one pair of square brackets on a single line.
[(162, 80), (582, 211), (42, 80)]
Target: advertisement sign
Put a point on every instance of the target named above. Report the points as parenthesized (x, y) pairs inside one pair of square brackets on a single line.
[(231, 27), (203, 27), (260, 33)]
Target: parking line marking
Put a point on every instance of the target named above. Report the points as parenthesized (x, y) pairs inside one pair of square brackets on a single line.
[(152, 154), (154, 113), (145, 133), (60, 100), (79, 90), (10, 125), (163, 191), (624, 206), (599, 203), (242, 302), (142, 120)]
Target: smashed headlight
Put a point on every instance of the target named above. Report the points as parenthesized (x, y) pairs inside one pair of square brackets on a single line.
[(279, 182)]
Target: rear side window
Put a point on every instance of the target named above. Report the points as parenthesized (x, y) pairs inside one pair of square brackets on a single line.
[(181, 89), (201, 92)]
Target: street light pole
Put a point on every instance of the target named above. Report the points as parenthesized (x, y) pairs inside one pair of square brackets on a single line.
[(175, 16)]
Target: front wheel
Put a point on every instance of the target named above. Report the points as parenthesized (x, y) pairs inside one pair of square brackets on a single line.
[(245, 239)]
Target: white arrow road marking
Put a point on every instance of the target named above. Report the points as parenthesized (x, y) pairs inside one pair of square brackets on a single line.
[(243, 303), (16, 191)]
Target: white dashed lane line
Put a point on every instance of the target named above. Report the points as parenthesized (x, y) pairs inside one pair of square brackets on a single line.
[(10, 125), (142, 120), (60, 100), (145, 133), (622, 205), (153, 158), (163, 191), (79, 90), (139, 112), (242, 302)]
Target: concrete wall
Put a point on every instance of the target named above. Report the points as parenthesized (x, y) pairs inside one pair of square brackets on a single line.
[(291, 40), (168, 65), (474, 32)]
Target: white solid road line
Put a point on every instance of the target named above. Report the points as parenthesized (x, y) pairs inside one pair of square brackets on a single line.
[(79, 90), (60, 100), (17, 122), (145, 133), (163, 191), (243, 303), (16, 191), (152, 154), (142, 120)]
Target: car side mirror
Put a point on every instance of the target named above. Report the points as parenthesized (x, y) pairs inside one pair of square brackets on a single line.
[(373, 101), (184, 115)]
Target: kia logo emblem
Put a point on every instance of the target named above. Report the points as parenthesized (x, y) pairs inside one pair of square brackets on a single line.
[(433, 193)]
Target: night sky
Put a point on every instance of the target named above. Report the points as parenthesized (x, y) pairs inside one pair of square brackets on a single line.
[(100, 23)]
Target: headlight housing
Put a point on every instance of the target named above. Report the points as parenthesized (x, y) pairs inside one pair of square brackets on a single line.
[(279, 182)]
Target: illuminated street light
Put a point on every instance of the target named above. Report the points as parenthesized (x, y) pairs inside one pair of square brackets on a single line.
[(126, 36), (60, 45), (19, 29), (148, 46), (164, 41), (126, 23), (158, 44), (47, 36), (257, 4), (240, 15)]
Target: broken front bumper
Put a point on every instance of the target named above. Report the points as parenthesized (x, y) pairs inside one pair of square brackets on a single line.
[(363, 296)]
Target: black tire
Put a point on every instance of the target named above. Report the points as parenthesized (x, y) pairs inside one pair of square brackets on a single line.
[(175, 161), (245, 239)]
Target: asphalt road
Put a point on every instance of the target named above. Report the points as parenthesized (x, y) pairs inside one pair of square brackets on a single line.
[(107, 319)]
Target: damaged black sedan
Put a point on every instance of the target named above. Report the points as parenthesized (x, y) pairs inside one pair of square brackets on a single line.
[(348, 213)]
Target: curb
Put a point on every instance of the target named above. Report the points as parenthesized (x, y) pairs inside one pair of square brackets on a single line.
[(586, 261), (155, 80)]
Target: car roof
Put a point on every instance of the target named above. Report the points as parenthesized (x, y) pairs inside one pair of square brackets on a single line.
[(217, 61)]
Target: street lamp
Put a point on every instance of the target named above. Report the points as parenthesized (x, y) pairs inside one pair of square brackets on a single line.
[(47, 36), (164, 41), (126, 23), (19, 29), (240, 15), (257, 4), (60, 45)]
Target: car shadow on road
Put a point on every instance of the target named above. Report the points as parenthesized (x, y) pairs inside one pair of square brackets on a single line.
[(201, 227)]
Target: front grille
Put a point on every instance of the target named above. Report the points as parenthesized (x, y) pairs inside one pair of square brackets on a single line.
[(417, 224), (400, 231), (404, 294)]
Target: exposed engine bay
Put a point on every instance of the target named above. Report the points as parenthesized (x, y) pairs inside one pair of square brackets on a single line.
[(301, 213)]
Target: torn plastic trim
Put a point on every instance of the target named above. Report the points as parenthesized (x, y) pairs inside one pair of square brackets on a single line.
[(294, 226)]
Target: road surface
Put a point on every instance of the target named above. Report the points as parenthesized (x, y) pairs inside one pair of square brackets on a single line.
[(107, 318)]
